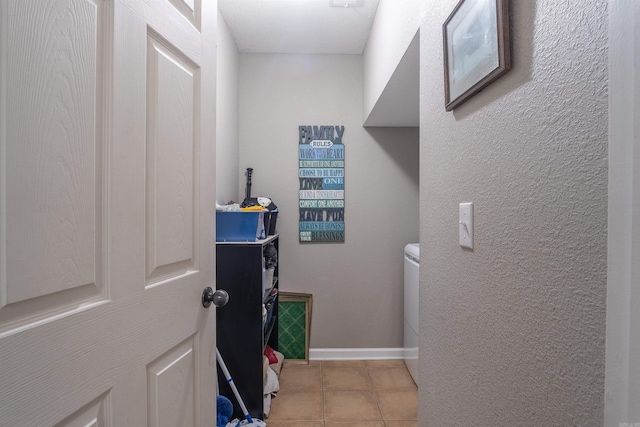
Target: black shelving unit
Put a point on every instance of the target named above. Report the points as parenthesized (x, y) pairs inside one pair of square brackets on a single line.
[(241, 333)]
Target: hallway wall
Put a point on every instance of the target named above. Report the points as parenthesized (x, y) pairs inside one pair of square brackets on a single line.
[(356, 285), (394, 26), (227, 116), (513, 332)]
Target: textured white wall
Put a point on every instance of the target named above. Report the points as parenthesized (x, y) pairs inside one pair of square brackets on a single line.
[(394, 26), (357, 285), (623, 293), (513, 332), (227, 120)]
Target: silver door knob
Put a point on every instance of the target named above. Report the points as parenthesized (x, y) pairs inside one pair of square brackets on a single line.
[(219, 298)]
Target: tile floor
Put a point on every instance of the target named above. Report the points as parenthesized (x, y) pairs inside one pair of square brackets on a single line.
[(371, 393)]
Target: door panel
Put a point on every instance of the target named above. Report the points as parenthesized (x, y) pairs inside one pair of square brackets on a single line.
[(107, 241), (58, 237), (94, 414), (172, 182), (53, 259), (173, 375), (190, 9)]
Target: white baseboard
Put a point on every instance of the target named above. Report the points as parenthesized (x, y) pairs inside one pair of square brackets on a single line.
[(355, 353)]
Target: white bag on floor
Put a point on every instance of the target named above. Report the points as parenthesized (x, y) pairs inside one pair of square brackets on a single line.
[(271, 387), (255, 423)]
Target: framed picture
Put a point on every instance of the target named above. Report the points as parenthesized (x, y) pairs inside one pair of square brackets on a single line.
[(476, 48)]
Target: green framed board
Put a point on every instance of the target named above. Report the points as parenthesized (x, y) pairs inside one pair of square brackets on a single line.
[(294, 325)]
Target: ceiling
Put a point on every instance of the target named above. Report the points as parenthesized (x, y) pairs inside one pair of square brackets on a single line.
[(315, 27), (299, 26)]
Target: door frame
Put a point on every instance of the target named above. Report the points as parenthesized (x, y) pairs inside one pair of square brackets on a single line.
[(622, 372)]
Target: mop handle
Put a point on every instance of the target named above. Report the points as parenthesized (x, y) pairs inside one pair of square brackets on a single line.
[(227, 375)]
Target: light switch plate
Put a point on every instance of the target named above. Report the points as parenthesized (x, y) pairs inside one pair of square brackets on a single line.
[(465, 225)]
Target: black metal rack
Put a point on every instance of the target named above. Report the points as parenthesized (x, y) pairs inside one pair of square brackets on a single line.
[(241, 333)]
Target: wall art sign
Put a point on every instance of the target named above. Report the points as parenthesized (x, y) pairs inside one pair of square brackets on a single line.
[(321, 175), (476, 48)]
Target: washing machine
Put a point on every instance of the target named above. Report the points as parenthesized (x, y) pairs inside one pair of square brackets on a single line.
[(411, 304)]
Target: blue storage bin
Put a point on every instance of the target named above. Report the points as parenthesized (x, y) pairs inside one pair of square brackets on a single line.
[(239, 226)]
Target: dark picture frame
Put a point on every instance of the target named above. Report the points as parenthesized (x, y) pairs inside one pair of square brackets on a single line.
[(477, 48)]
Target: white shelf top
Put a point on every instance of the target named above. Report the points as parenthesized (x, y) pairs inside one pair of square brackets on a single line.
[(257, 242)]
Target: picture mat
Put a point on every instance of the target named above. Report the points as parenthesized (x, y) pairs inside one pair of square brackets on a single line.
[(472, 46)]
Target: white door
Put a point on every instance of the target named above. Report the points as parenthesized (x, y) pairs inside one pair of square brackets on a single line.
[(106, 212)]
